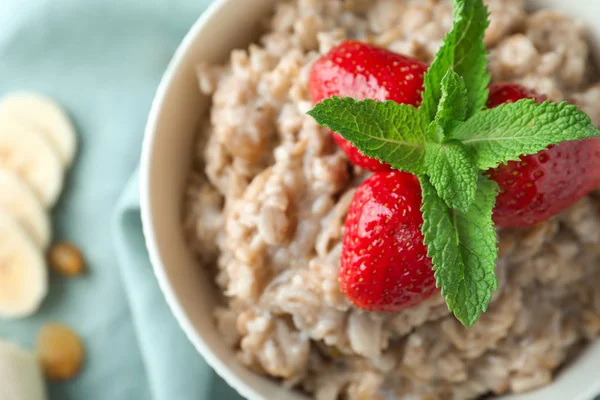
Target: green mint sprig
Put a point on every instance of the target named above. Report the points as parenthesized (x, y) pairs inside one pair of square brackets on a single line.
[(449, 142)]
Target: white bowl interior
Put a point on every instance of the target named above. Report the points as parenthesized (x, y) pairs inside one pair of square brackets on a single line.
[(176, 112)]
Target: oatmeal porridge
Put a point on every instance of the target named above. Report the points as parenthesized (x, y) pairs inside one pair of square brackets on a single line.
[(270, 190)]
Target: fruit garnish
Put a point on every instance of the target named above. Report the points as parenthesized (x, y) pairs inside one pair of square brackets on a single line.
[(383, 231), (450, 142), (541, 185), (362, 71), (508, 92), (30, 157), (20, 374), (23, 272), (42, 114), (20, 202)]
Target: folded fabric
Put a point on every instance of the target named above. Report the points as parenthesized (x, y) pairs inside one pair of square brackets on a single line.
[(174, 369)]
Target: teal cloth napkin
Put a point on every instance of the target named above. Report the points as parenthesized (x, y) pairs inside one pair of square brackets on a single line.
[(103, 60), (174, 370)]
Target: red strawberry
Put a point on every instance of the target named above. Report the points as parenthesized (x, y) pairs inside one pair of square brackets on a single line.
[(360, 70), (384, 264), (358, 158), (501, 93), (544, 184)]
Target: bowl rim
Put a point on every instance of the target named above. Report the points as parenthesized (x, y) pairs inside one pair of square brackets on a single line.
[(148, 227), (151, 242)]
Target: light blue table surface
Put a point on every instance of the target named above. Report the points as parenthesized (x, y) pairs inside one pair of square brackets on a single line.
[(103, 59)]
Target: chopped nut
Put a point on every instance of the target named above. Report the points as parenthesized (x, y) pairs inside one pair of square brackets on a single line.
[(66, 259), (60, 352)]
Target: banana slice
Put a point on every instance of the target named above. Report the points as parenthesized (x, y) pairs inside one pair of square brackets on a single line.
[(20, 202), (42, 114), (31, 157), (20, 375), (23, 272)]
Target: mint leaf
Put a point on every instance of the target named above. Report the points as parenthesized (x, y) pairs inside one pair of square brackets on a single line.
[(463, 52), (390, 132), (463, 249), (452, 173), (509, 131), (453, 103), (452, 106)]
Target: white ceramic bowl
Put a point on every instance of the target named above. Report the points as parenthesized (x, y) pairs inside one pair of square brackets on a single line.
[(165, 164)]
